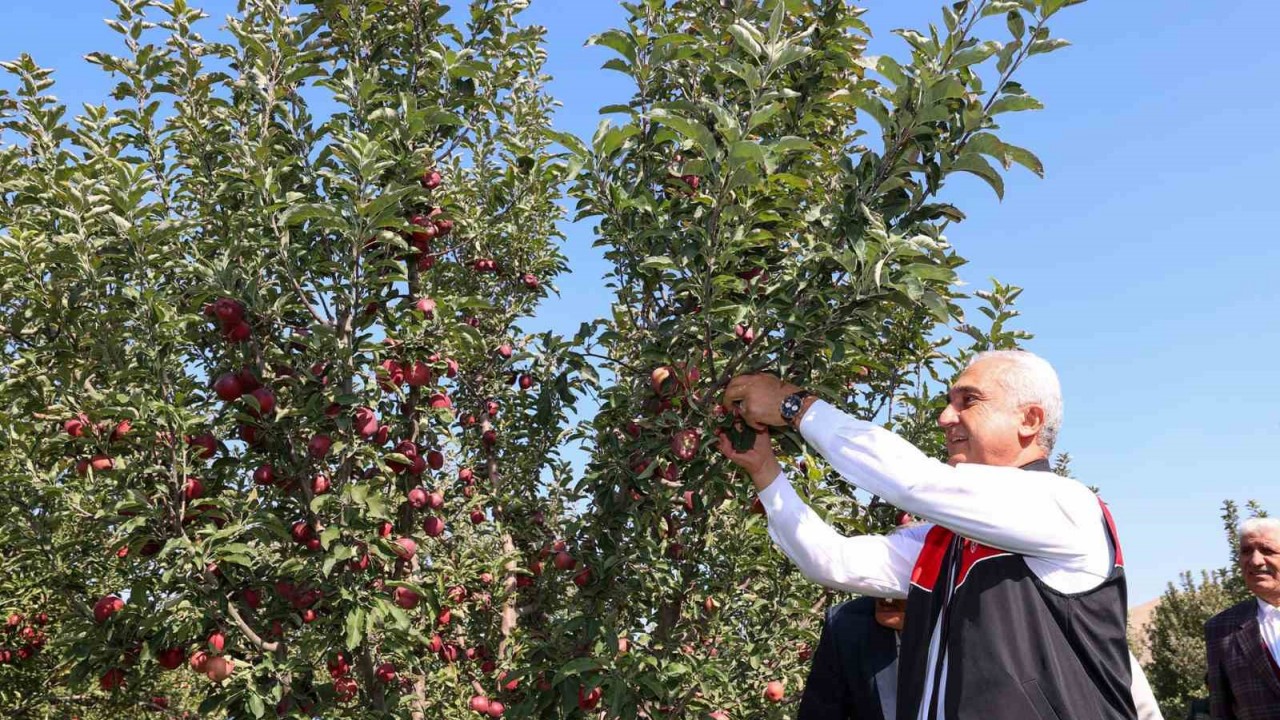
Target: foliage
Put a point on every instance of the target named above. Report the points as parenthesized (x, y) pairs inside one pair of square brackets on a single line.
[(270, 214), (767, 200), (1174, 638), (246, 303)]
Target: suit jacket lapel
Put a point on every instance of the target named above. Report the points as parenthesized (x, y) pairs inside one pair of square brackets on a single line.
[(1249, 638)]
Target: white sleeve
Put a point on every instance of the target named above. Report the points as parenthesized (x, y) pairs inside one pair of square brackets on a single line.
[(1036, 514), (878, 565), (1143, 698)]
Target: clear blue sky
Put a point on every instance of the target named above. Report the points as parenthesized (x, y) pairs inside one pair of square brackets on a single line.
[(1147, 253)]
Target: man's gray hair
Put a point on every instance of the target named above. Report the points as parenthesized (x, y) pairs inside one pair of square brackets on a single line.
[(1030, 380), (1257, 525)]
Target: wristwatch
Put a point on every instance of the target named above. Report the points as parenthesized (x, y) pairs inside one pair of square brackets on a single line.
[(791, 405)]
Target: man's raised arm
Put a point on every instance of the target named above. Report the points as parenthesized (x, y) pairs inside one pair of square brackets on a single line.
[(1046, 516)]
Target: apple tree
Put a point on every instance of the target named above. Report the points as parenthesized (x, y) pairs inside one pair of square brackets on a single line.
[(770, 199), (271, 427)]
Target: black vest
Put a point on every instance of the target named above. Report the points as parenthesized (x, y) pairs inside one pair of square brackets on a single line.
[(1016, 649)]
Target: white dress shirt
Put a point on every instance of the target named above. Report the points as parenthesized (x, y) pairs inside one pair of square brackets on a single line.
[(1269, 625), (1055, 522)]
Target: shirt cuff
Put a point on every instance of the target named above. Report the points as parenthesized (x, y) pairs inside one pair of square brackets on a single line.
[(778, 495), (820, 422)]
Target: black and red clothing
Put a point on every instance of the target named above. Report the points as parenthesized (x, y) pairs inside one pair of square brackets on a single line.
[(1015, 584)]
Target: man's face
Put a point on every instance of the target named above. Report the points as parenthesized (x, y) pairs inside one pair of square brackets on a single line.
[(981, 424), (1260, 564), (891, 613)]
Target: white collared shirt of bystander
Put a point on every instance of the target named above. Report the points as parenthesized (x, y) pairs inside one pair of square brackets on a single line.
[(1269, 625)]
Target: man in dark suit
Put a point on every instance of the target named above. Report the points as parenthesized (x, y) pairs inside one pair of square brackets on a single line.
[(1243, 642), (854, 675)]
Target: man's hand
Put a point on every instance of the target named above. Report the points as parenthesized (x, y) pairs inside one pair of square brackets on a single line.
[(760, 461), (757, 399)]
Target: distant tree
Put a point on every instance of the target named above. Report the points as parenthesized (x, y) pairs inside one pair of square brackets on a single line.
[(1174, 638)]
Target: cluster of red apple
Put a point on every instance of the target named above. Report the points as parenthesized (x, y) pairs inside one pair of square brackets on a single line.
[(230, 317), (562, 561), (32, 640), (345, 686), (81, 428), (208, 661)]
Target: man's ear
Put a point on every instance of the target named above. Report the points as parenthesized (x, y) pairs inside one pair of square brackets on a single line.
[(1032, 423)]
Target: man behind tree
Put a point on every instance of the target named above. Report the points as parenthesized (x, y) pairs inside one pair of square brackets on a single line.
[(1015, 586)]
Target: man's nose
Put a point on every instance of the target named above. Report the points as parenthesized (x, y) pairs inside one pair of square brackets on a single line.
[(948, 417)]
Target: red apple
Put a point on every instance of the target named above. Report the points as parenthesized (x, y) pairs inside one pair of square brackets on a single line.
[(479, 703), (526, 382), (466, 475), (217, 641), (319, 446), (774, 691), (489, 438), (218, 668), (404, 548), (106, 606), (339, 665), (170, 658), (228, 311), (435, 500), (320, 484), (384, 530), (199, 661), (431, 179), (301, 532), (366, 422), (588, 700), (266, 401), (417, 498), (112, 679), (205, 445), (583, 577), (192, 489), (264, 475), (685, 443), (426, 306), (418, 374), (440, 401), (122, 428), (405, 598), (496, 709), (386, 673), (435, 459), (564, 561), (477, 516), (228, 387), (433, 526), (530, 281), (345, 688), (505, 351), (395, 375), (76, 425), (308, 616), (710, 605), (239, 332)]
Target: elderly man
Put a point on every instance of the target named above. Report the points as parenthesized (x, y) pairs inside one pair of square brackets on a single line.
[(1015, 586), (1243, 642)]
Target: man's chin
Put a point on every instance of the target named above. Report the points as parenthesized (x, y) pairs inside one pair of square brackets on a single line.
[(955, 459)]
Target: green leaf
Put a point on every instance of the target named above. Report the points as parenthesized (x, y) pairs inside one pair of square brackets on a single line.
[(618, 41), (575, 667), (355, 628), (1014, 103), (691, 129), (255, 705), (744, 35), (976, 54), (974, 163)]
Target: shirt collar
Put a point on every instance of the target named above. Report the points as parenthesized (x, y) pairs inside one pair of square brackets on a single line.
[(1041, 465), (1267, 611)]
